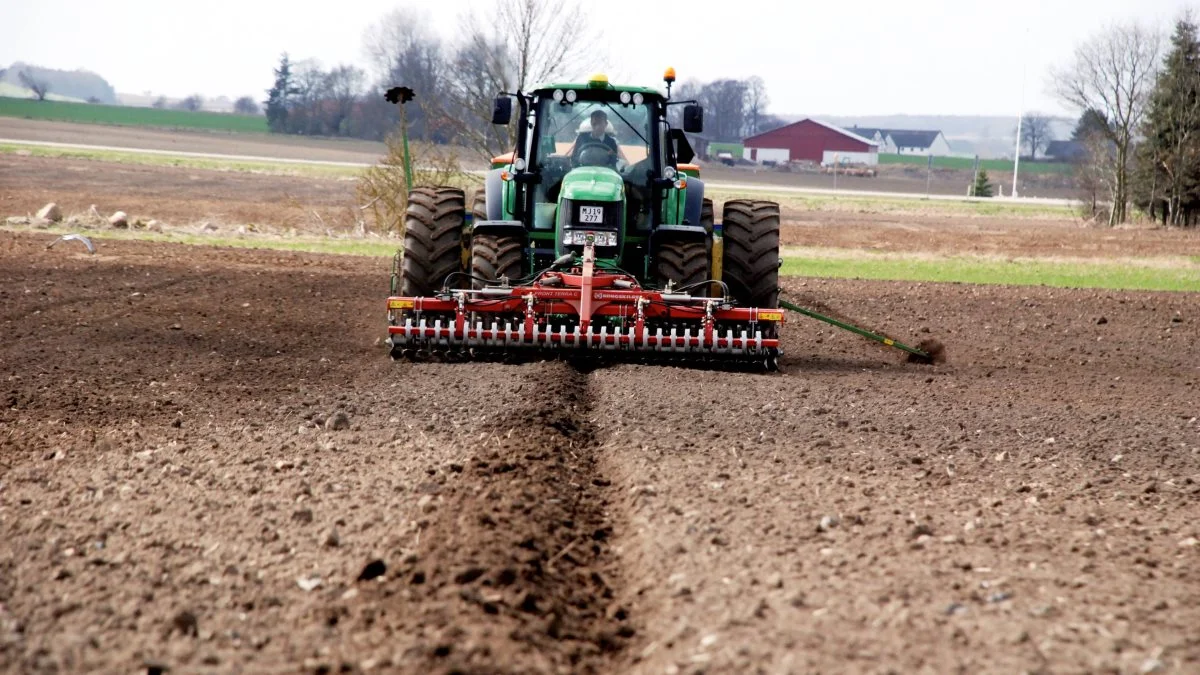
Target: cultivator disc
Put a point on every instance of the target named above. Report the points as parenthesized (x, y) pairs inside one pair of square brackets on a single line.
[(583, 312)]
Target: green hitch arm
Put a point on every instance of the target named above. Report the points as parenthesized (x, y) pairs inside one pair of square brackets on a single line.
[(882, 339), (407, 158), (400, 96)]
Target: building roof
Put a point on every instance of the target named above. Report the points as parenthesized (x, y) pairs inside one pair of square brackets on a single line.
[(901, 138), (831, 127), (867, 132), (913, 138)]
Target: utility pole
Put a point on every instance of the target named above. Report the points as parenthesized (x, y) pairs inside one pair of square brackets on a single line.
[(928, 174), (1020, 113)]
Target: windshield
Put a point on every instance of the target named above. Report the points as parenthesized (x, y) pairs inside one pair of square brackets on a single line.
[(593, 133)]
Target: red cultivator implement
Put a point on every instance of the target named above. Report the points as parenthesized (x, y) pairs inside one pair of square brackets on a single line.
[(582, 310)]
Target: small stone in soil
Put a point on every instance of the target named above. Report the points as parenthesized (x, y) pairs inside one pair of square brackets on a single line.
[(373, 570), (338, 421), (185, 622)]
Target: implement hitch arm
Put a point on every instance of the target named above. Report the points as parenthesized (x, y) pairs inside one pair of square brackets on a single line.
[(915, 353)]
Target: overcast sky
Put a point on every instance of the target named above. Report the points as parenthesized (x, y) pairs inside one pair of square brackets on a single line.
[(858, 58)]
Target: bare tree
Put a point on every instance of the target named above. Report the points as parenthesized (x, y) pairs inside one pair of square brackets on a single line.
[(403, 51), (1113, 73), (1036, 133), (478, 72), (246, 105), (191, 103), (521, 44), (39, 86), (343, 87), (547, 39), (305, 114), (725, 108), (756, 104), (159, 103)]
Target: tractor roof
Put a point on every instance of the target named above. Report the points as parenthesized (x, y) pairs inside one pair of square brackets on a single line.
[(601, 83)]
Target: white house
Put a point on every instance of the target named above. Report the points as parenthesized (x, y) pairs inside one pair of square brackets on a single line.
[(907, 141)]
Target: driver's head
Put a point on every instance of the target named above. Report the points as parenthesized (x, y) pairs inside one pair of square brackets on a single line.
[(599, 123)]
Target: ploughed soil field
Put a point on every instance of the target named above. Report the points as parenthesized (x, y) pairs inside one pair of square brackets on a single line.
[(222, 201), (209, 464)]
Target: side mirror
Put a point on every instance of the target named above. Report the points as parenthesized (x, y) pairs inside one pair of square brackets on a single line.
[(501, 110), (684, 153), (693, 118)]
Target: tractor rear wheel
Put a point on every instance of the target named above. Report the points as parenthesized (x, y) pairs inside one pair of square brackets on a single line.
[(706, 216), (433, 226), (479, 204), (682, 262), (494, 256), (751, 262)]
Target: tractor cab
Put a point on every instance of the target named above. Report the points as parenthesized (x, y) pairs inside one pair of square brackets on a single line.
[(595, 161)]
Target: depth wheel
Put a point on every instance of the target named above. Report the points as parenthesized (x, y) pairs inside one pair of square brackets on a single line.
[(495, 256), (682, 262)]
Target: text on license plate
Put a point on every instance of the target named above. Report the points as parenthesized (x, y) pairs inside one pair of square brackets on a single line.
[(591, 214)]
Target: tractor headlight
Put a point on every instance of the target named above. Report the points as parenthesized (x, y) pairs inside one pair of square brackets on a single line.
[(582, 237), (571, 96), (626, 97), (558, 95), (519, 165), (638, 99), (669, 173)]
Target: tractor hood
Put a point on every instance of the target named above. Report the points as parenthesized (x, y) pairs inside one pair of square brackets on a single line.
[(593, 183)]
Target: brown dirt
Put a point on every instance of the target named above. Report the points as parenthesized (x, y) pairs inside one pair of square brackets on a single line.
[(188, 197), (192, 437), (181, 140)]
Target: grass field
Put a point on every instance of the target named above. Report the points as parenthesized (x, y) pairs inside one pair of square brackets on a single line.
[(62, 111), (1114, 275), (213, 164), (968, 163), (849, 201)]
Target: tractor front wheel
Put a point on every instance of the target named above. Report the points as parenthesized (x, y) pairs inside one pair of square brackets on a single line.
[(495, 256), (682, 262), (433, 225), (751, 263)]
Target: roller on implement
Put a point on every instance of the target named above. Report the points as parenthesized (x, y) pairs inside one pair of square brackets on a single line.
[(592, 238)]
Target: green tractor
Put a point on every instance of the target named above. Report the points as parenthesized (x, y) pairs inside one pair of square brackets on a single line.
[(598, 160), (594, 235)]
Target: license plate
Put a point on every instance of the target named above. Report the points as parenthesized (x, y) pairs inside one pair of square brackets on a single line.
[(591, 214)]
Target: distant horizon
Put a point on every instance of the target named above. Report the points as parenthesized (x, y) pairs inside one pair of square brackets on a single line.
[(926, 55)]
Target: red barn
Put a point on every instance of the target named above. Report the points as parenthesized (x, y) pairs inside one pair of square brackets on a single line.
[(810, 140)]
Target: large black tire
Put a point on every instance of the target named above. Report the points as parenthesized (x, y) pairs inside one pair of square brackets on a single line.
[(495, 256), (682, 262), (479, 204), (433, 227), (751, 262), (706, 216)]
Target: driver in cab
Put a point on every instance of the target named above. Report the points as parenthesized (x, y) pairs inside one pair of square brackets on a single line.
[(598, 136)]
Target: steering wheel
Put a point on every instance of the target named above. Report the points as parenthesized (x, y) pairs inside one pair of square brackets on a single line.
[(595, 153)]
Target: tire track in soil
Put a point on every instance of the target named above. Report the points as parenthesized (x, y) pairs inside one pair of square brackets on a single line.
[(513, 570)]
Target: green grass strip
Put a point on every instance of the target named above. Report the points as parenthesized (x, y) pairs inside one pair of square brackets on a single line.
[(1103, 275), (968, 163), (914, 204), (95, 113)]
